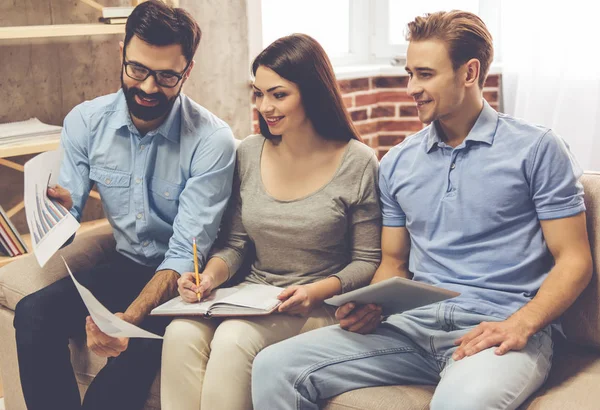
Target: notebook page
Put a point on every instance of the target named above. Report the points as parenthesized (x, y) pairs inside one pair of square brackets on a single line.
[(262, 297), (179, 306)]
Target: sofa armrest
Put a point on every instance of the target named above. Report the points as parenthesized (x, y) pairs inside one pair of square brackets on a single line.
[(25, 276)]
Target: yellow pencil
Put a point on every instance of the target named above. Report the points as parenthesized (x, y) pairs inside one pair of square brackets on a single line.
[(196, 268)]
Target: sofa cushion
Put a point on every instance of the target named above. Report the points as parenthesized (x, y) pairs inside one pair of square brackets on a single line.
[(24, 275), (382, 398), (572, 383), (581, 322)]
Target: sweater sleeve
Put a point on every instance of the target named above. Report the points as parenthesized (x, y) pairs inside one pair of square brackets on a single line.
[(232, 242), (365, 233)]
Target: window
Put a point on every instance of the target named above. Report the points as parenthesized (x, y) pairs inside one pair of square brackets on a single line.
[(338, 25), (354, 31), (392, 16)]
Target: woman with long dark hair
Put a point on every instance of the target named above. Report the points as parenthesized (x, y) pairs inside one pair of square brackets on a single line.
[(304, 212)]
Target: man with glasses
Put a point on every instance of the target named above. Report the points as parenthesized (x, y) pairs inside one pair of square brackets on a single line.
[(164, 168)]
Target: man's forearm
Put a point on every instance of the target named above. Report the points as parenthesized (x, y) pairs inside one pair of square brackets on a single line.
[(391, 269), (161, 288), (560, 289)]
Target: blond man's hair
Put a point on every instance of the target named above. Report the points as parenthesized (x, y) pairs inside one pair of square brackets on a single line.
[(464, 33)]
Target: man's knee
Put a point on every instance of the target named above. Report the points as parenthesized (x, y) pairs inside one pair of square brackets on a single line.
[(29, 314), (473, 393)]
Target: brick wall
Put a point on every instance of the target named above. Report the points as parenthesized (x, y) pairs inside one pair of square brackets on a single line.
[(383, 112)]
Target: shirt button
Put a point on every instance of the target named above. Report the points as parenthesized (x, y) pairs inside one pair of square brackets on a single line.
[(145, 243), (139, 216), (107, 181), (138, 180), (453, 166), (167, 193)]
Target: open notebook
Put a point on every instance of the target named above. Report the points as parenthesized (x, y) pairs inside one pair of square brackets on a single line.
[(241, 300)]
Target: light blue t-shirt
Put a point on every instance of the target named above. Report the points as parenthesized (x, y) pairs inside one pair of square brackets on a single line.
[(158, 190), (473, 211)]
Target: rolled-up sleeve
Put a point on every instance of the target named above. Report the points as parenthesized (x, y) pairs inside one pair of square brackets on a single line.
[(75, 167), (202, 202)]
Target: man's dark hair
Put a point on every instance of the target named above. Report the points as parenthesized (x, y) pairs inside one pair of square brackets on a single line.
[(160, 25)]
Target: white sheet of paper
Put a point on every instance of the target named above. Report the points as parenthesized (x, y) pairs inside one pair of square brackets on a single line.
[(104, 319), (50, 224)]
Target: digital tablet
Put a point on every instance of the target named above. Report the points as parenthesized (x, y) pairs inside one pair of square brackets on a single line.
[(395, 295)]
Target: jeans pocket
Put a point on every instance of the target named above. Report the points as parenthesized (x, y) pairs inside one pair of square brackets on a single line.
[(164, 198), (114, 189)]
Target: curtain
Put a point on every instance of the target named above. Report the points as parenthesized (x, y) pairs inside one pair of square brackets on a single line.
[(550, 53)]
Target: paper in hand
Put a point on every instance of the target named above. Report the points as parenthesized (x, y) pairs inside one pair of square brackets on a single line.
[(104, 319), (50, 224)]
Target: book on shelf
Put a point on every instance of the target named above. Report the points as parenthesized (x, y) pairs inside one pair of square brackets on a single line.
[(10, 239), (113, 12), (241, 300), (31, 129), (113, 20)]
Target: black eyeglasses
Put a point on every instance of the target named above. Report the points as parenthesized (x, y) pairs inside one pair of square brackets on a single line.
[(164, 78)]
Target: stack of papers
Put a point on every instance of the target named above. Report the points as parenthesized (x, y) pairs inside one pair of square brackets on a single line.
[(32, 129), (50, 224)]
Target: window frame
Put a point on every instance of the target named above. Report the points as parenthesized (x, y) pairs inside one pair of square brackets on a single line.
[(369, 32)]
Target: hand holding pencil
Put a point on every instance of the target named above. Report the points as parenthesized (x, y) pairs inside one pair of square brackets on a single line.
[(193, 286), (198, 294)]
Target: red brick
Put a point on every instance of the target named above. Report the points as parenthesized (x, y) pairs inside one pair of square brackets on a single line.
[(394, 96), (371, 140), (408, 111), (359, 115), (492, 80), (490, 96), (365, 99), (256, 127), (254, 114), (350, 86), (348, 101), (383, 111), (390, 140), (400, 125), (367, 128), (391, 82)]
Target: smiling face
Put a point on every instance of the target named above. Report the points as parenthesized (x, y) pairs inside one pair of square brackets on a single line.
[(433, 83), (279, 102), (147, 100)]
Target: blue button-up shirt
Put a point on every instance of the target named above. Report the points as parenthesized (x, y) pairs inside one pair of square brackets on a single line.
[(158, 190), (473, 211)]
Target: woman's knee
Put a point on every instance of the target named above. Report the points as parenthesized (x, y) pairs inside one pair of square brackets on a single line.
[(183, 337)]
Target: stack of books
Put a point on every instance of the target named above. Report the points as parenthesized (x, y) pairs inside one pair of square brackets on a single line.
[(11, 243), (115, 15), (26, 131)]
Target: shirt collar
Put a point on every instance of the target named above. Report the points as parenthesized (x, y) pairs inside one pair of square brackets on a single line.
[(167, 129), (483, 130)]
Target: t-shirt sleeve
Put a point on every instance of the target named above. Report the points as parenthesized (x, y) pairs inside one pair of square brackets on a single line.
[(554, 179)]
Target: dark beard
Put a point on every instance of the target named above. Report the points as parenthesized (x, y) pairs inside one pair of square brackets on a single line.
[(147, 113)]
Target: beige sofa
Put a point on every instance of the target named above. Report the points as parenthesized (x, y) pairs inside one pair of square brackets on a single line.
[(574, 381)]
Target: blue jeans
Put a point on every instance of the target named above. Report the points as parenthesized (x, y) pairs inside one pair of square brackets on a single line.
[(46, 320), (411, 348)]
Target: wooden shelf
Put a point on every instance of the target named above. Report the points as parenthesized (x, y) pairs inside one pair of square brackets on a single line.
[(85, 226), (60, 30), (30, 147)]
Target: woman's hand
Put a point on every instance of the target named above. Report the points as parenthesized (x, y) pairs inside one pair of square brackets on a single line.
[(298, 300), (189, 292)]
